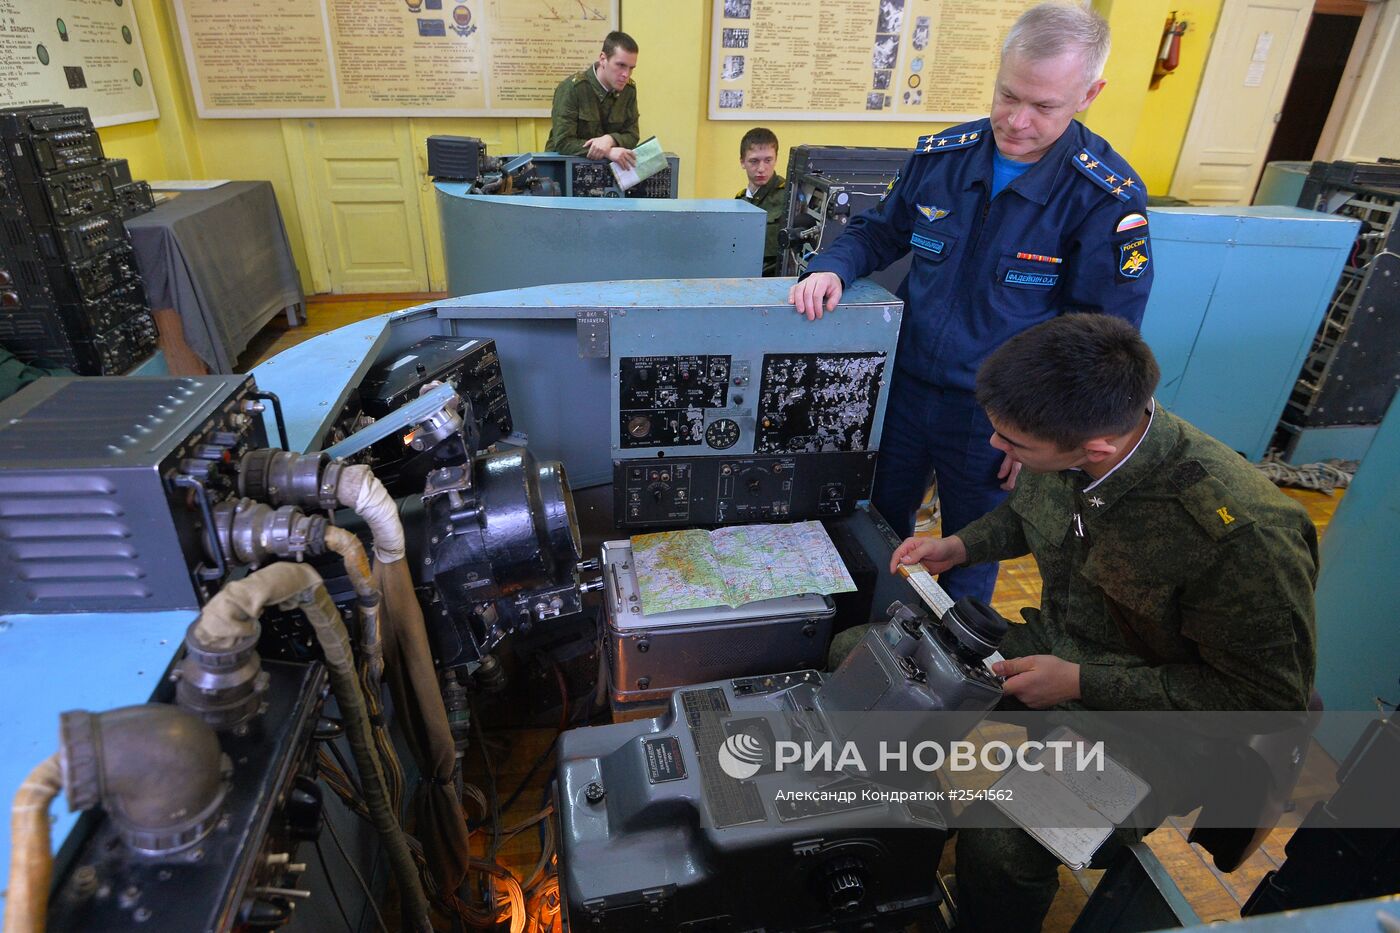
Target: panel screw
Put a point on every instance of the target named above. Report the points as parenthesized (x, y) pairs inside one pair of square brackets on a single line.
[(594, 792)]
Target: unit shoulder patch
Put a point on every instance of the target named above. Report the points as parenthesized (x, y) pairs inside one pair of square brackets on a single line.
[(1133, 258), (1115, 183), (1208, 500), (948, 142)]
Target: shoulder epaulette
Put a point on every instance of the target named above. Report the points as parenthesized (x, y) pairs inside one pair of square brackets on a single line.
[(1119, 185), (1208, 500), (947, 143), (580, 76)]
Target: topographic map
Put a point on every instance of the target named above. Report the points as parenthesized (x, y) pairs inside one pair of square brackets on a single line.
[(694, 569)]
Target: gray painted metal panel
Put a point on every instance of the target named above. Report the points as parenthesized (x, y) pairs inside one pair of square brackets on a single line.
[(497, 242)]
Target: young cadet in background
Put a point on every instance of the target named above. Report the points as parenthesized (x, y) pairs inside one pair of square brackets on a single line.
[(1011, 220), (595, 111), (758, 157)]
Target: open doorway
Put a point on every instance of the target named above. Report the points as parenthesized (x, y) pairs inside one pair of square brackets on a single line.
[(1275, 75), (1331, 33)]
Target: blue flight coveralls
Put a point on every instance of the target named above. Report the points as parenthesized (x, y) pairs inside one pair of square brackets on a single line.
[(1068, 235)]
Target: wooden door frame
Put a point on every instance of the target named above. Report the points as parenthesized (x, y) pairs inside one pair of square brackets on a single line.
[(1329, 144), (1218, 36), (298, 158)]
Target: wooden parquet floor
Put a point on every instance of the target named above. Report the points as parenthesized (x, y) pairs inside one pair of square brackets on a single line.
[(1214, 895)]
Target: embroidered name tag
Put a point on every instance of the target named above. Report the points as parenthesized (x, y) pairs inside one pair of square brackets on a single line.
[(928, 243), (1036, 279)]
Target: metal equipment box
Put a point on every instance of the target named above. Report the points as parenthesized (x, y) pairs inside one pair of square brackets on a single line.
[(827, 186), (1238, 296), (650, 656), (106, 486)]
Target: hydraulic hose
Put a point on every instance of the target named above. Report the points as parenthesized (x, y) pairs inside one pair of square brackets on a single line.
[(231, 614), (31, 859), (352, 552), (359, 489)]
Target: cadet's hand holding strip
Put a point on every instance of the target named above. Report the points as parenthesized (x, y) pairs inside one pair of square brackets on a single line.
[(936, 554)]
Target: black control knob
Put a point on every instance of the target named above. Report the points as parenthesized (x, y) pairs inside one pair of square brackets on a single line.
[(267, 914), (304, 809), (976, 627)]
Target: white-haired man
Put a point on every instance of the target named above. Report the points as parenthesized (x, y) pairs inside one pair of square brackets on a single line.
[(1012, 220)]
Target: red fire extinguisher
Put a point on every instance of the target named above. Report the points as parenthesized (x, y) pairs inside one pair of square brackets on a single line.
[(1169, 55)]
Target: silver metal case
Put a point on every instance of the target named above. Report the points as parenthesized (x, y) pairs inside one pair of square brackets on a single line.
[(651, 655)]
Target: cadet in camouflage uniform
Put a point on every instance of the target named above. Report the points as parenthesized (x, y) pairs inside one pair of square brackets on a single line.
[(758, 157), (15, 374), (595, 111), (1175, 577)]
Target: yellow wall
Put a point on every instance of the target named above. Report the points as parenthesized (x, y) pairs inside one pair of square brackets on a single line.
[(673, 82), (1167, 110)]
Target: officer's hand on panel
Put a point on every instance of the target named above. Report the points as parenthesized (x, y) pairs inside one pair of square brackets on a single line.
[(600, 146), (1039, 680), (817, 292), (1010, 469), (936, 554), (625, 158)]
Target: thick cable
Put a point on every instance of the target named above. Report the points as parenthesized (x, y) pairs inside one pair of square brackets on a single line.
[(31, 855)]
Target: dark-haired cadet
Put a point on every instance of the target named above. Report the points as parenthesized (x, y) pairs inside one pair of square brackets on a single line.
[(1174, 576), (595, 111), (758, 157)]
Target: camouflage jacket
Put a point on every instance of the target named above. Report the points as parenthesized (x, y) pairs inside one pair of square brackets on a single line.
[(1183, 581), (15, 374), (773, 198), (584, 109)]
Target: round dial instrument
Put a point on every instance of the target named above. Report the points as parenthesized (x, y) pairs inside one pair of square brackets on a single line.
[(722, 434)]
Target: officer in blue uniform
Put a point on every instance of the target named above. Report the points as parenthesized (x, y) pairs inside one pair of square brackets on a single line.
[(1012, 220)]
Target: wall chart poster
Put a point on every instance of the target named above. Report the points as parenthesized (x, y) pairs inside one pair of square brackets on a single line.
[(387, 58), (921, 60), (79, 53)]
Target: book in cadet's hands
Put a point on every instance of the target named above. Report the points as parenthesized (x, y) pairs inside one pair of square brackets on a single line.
[(1070, 812), (650, 160)]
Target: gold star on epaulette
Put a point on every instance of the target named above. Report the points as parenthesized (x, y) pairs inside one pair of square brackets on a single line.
[(1111, 178), (942, 142), (962, 138), (928, 144), (1128, 183), (1118, 190)]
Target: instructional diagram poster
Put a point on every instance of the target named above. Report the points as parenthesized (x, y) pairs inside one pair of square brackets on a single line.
[(387, 58), (924, 60), (79, 53)]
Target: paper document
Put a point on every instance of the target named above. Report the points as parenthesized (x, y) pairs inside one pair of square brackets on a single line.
[(1071, 812), (694, 569), (198, 184), (650, 160)]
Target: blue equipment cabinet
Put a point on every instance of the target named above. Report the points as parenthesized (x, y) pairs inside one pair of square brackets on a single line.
[(1238, 295), (1358, 643)]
